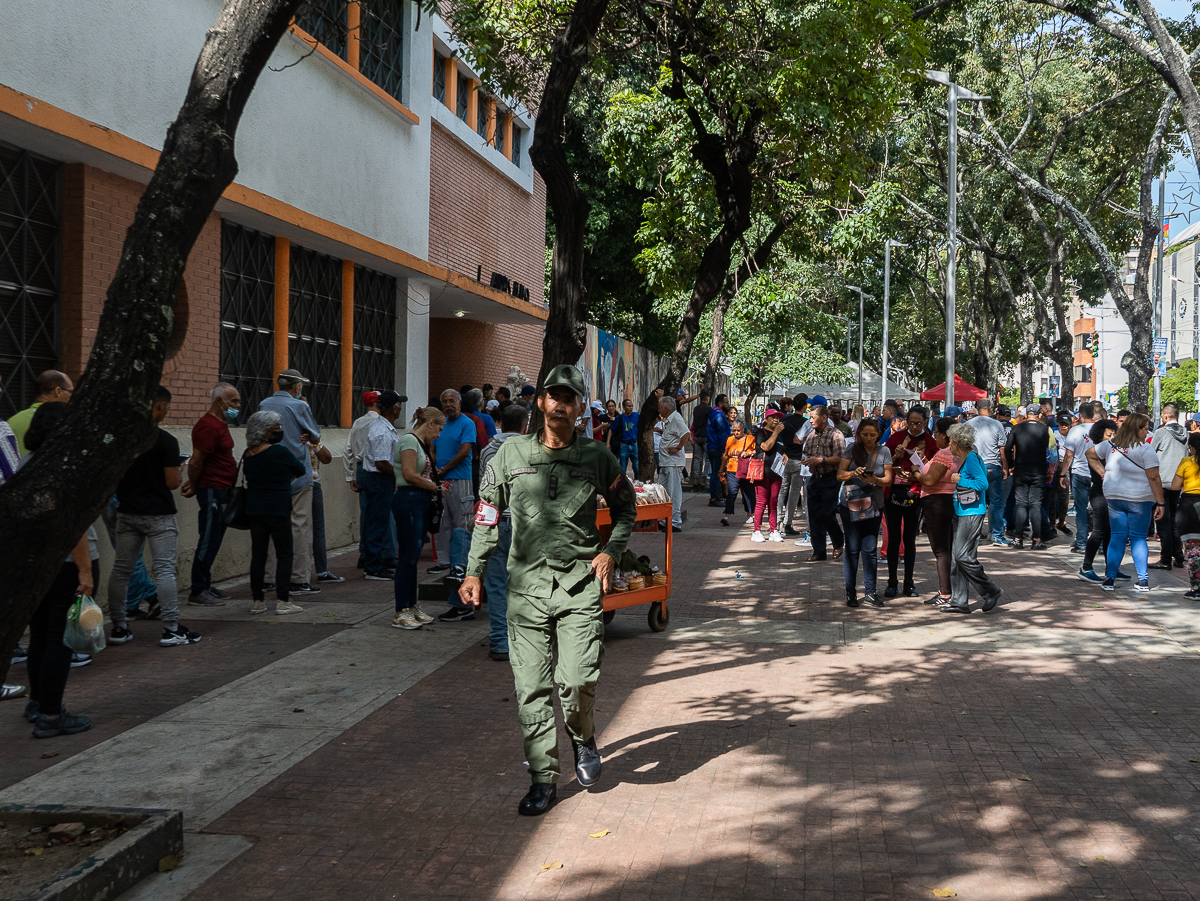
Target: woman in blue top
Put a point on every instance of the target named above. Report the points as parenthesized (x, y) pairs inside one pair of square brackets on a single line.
[(970, 505)]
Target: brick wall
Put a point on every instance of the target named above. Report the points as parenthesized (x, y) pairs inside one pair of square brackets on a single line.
[(478, 217), (468, 352), (98, 208)]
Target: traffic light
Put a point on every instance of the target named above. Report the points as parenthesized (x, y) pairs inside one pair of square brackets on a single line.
[(1095, 344)]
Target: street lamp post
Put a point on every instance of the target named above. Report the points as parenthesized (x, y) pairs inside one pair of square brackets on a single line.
[(861, 295), (1158, 292), (887, 310), (956, 93)]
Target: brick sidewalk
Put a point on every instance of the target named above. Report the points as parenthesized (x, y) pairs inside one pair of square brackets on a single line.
[(772, 770)]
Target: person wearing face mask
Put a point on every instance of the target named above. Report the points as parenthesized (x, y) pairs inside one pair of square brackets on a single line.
[(210, 473), (270, 468), (910, 448)]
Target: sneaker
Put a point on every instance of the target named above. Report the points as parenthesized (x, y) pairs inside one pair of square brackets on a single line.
[(999, 542), (438, 568), (283, 608), (120, 635), (8, 692), (62, 724), (1088, 575), (724, 520), (1017, 544), (329, 577), (303, 588), (1076, 549), (258, 607), (405, 619), (1141, 586), (872, 600), (774, 536), (1038, 546), (1109, 585), (498, 656), (153, 611), (205, 599), (457, 615), (178, 635), (757, 537), (379, 575), (1123, 577), (19, 655), (80, 660), (268, 586), (805, 541), (750, 521), (1193, 594), (421, 615), (32, 709), (789, 532), (218, 593)]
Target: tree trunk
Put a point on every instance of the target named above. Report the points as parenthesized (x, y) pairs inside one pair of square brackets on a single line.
[(1028, 362), (566, 329), (718, 344), (51, 501)]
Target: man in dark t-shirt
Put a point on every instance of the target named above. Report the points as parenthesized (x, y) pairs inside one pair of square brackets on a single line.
[(699, 477), (146, 513), (211, 471), (1025, 454)]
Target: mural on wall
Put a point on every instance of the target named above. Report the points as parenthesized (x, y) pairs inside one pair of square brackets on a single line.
[(615, 369)]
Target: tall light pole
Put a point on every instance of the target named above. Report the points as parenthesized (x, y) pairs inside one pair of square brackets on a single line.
[(1158, 289), (861, 295), (956, 93), (887, 311)]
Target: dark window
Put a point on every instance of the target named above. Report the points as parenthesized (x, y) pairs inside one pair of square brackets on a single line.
[(518, 135), (481, 116), (29, 271), (374, 333), (247, 313), (464, 92), (325, 20), (1083, 373), (315, 330), (439, 77), (381, 47), (498, 143)]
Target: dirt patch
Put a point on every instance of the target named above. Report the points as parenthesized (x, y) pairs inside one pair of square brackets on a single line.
[(35, 849)]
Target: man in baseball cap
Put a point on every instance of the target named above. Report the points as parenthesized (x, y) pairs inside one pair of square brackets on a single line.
[(558, 568)]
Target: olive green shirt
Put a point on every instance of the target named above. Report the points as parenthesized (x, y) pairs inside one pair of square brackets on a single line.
[(551, 497)]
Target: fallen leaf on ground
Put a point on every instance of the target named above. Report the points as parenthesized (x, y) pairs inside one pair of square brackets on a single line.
[(1024, 778), (1155, 712), (600, 834), (49, 755), (1082, 864), (329, 614), (946, 892), (170, 862), (502, 774), (897, 739), (1101, 857), (552, 865), (35, 852)]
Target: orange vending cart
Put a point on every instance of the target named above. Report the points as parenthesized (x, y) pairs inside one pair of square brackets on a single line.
[(656, 596)]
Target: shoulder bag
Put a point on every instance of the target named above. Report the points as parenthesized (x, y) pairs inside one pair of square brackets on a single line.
[(967, 497), (756, 467), (234, 511), (862, 500)]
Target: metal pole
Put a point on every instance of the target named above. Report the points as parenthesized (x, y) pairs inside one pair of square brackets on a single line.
[(860, 345), (1158, 290), (887, 298), (951, 237)]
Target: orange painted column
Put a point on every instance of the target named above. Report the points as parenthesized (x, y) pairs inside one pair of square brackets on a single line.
[(508, 127), (491, 121), (473, 104), (347, 342), (283, 267), (452, 84), (353, 22)]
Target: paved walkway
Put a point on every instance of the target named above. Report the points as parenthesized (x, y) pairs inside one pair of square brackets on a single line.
[(772, 743)]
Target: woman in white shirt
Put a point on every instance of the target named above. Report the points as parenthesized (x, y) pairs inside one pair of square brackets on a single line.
[(1134, 493)]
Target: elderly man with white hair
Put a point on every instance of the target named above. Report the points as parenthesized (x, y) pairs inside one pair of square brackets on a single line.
[(453, 450), (675, 437)]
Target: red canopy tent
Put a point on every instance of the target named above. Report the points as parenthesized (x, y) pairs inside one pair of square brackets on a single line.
[(962, 391)]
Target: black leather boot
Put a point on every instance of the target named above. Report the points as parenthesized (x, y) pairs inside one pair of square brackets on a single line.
[(538, 799), (587, 762)]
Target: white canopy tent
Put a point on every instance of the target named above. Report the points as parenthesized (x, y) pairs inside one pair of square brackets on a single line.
[(848, 394)]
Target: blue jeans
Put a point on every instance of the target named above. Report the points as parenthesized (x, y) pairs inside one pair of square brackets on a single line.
[(389, 546), (460, 551), (495, 583), (408, 514), (211, 528), (714, 477), (629, 452), (1128, 520), (379, 488), (995, 500), (862, 540), (1080, 487)]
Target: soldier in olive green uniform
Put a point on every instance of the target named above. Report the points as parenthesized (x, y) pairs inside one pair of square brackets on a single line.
[(557, 569)]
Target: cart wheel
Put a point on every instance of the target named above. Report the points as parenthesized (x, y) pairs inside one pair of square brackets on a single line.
[(656, 618), (609, 616)]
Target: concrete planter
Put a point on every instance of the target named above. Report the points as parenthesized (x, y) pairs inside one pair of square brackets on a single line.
[(114, 867)]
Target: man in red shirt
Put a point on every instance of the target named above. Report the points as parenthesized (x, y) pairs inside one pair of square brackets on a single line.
[(210, 474)]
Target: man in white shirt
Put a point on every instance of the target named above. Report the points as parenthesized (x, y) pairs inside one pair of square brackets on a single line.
[(990, 437), (352, 457), (379, 483), (675, 437), (1076, 474)]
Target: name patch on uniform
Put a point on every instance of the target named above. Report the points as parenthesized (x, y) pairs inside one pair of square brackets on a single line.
[(580, 474), (523, 471), (486, 514)]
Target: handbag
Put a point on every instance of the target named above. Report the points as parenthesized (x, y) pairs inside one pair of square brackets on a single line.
[(743, 465), (756, 468), (234, 511), (863, 501), (967, 497)]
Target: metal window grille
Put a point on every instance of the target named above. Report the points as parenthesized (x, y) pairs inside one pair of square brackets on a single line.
[(247, 313), (381, 48), (498, 143), (482, 117), (30, 204), (315, 330), (325, 20), (464, 91), (518, 134), (439, 77), (374, 333)]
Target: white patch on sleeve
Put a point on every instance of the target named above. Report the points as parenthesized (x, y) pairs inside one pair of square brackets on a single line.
[(486, 514)]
